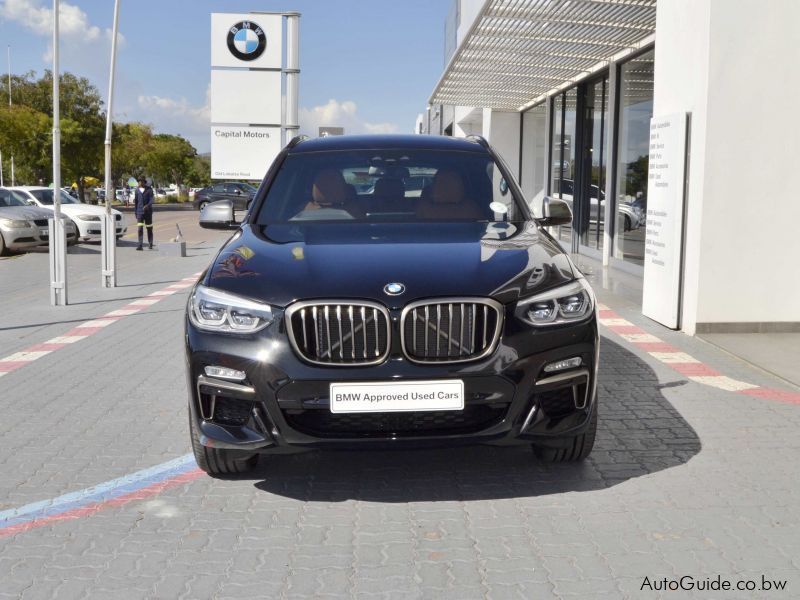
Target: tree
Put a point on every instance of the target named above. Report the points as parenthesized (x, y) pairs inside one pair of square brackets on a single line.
[(25, 134), (199, 174), (131, 144), (170, 158), (25, 131), (82, 120)]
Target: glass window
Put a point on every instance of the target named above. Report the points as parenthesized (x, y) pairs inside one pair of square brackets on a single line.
[(21, 196), (568, 162), (46, 197), (635, 112), (557, 158), (593, 198), (534, 146), (7, 199), (321, 186)]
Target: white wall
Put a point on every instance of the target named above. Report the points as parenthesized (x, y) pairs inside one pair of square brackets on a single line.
[(467, 121), (733, 65), (751, 208), (469, 11), (534, 149), (681, 85), (501, 130)]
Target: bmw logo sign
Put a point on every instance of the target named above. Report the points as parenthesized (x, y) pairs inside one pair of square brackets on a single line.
[(394, 289), (246, 40)]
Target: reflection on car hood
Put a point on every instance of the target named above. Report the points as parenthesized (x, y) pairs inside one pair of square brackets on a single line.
[(283, 263), (24, 212), (83, 209)]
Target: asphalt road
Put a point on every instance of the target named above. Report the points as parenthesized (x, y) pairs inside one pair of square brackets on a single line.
[(694, 473)]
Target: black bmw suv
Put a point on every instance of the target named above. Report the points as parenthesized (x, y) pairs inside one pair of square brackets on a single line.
[(348, 311)]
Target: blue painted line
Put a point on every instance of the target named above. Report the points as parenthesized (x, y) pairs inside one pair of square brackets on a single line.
[(101, 492)]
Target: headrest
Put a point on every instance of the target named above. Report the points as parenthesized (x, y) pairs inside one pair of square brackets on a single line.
[(389, 187), (329, 188), (399, 172), (447, 188)]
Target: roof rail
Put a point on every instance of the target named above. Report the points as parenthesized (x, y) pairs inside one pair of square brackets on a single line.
[(296, 140), (479, 139)]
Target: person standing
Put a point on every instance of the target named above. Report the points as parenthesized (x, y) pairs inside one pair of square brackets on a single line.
[(143, 206)]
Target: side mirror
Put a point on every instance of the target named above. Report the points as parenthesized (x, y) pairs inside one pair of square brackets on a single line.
[(555, 212), (218, 215)]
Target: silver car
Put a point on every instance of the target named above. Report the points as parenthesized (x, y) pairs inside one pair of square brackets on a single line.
[(23, 226)]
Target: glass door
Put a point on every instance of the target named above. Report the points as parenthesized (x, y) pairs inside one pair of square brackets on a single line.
[(590, 193), (580, 117), (565, 165)]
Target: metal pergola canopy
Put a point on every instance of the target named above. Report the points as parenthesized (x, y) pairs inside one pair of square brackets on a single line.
[(519, 50)]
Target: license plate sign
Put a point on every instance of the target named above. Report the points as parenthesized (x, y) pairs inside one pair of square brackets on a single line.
[(395, 396)]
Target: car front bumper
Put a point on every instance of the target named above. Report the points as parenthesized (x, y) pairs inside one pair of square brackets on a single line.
[(20, 238), (92, 230), (283, 401)]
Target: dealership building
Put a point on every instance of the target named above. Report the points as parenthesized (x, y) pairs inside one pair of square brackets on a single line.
[(664, 124)]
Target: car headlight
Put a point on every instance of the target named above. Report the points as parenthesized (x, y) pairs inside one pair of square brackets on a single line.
[(14, 223), (565, 304), (89, 217), (218, 311)]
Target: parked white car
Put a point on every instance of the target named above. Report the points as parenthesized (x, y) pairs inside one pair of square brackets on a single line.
[(87, 217), (23, 226)]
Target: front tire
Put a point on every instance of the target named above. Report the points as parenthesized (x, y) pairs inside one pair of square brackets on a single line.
[(3, 248), (577, 448), (219, 462)]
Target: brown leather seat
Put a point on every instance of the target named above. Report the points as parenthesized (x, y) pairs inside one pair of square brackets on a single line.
[(446, 199), (389, 195), (330, 190)]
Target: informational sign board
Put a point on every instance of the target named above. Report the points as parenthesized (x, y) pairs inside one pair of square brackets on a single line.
[(253, 41), (326, 131), (246, 94), (665, 208), (246, 97), (243, 152)]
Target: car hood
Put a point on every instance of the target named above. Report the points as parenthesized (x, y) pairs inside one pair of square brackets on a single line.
[(279, 264), (24, 212), (85, 209)]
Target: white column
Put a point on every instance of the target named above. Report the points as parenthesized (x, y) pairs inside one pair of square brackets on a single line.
[(108, 274), (57, 240)]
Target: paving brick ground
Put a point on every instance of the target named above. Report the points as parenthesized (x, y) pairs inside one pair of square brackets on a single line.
[(685, 479)]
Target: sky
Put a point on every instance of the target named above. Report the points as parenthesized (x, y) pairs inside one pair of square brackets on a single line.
[(366, 65)]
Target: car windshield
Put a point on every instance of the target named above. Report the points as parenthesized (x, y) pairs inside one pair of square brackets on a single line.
[(9, 199), (398, 185), (46, 197)]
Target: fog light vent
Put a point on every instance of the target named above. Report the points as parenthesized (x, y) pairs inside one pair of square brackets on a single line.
[(561, 365), (225, 373), (232, 411)]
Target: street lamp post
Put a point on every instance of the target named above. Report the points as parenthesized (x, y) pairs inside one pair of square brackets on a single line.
[(58, 237), (109, 238), (9, 106)]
